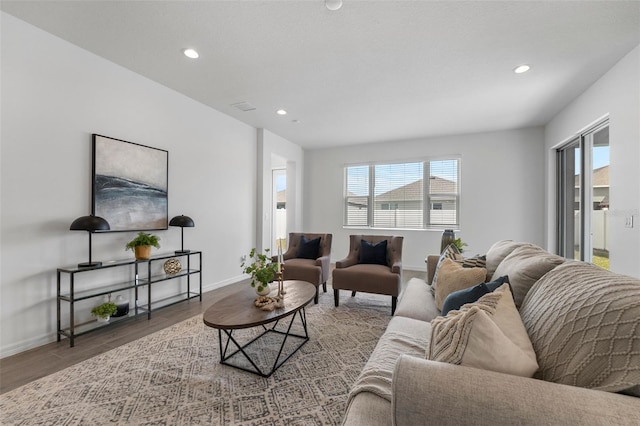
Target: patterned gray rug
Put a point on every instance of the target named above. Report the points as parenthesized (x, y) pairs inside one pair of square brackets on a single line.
[(173, 377)]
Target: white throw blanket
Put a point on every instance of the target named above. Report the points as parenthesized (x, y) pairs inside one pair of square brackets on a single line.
[(377, 373)]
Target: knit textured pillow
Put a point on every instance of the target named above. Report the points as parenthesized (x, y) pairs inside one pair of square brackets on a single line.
[(488, 334), (453, 277), (584, 323)]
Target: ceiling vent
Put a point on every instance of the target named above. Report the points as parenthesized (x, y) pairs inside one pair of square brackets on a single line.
[(244, 106)]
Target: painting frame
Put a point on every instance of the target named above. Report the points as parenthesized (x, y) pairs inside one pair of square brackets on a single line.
[(129, 184)]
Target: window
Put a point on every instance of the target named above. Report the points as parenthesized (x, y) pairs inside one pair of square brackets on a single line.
[(583, 197), (397, 195)]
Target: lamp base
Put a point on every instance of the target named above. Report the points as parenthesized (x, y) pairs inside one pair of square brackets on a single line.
[(89, 264), (182, 251)]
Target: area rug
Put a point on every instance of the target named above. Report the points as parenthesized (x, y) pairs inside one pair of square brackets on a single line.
[(173, 377)]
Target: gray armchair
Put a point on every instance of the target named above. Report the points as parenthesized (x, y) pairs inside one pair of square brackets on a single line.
[(360, 272), (314, 270)]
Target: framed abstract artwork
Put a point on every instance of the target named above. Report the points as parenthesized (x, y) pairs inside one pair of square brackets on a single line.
[(130, 184)]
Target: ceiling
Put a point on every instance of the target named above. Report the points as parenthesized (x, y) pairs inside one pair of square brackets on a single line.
[(372, 71)]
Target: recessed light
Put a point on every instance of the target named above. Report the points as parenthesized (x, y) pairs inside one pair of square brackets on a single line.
[(281, 112), (521, 68), (333, 4), (191, 53)]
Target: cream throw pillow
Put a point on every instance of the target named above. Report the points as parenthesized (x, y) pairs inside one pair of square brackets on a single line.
[(452, 276), (488, 334)]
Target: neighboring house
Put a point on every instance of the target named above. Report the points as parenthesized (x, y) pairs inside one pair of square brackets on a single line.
[(403, 206), (600, 185), (410, 196)]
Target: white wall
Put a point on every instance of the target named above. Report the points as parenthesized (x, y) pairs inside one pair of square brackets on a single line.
[(502, 188), (54, 96), (616, 95), (270, 145)]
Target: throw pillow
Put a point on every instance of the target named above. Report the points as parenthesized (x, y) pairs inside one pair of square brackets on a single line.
[(458, 298), (450, 252), (308, 249), (524, 266), (453, 277), (373, 253), (474, 262), (583, 323), (488, 334), (498, 251)]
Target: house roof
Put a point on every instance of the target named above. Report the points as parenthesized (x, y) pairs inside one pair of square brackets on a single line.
[(373, 71), (600, 177), (414, 190)]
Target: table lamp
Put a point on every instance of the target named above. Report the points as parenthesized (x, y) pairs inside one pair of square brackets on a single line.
[(183, 222), (90, 224)]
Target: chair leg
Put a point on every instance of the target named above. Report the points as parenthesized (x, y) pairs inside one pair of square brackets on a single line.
[(394, 303), (315, 299), (324, 286), (336, 297), (353, 294)]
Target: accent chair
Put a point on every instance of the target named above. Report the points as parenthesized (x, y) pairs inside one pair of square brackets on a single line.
[(308, 259), (373, 265)]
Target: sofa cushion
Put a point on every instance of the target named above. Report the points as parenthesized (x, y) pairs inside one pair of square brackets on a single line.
[(450, 252), (417, 301), (455, 300), (453, 277), (498, 251), (584, 324), (373, 253), (488, 334), (524, 266), (308, 249)]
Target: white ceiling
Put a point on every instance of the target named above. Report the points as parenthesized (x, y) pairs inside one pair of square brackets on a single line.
[(372, 71)]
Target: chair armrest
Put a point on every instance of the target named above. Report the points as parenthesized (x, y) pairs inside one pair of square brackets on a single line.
[(432, 262), (323, 260), (444, 394), (396, 268), (346, 262)]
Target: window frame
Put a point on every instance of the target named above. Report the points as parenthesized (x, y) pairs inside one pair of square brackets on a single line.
[(427, 201)]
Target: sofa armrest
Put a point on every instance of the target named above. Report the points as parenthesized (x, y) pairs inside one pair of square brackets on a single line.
[(432, 262), (429, 392), (396, 268)]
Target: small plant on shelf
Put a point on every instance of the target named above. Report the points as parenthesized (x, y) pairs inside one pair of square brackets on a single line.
[(141, 245), (262, 269), (105, 310)]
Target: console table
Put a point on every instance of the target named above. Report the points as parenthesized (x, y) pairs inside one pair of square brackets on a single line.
[(143, 279)]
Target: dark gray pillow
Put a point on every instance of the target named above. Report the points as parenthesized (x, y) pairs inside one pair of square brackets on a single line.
[(455, 300), (308, 249), (373, 253)]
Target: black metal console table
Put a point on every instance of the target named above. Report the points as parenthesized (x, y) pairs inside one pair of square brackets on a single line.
[(143, 277)]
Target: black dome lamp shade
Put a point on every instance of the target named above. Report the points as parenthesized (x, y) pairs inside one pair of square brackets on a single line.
[(183, 222), (90, 224)]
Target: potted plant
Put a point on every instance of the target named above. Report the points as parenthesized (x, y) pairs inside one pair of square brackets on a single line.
[(262, 270), (141, 245), (460, 245), (104, 311)]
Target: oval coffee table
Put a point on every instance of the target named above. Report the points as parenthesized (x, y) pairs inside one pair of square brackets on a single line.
[(237, 311)]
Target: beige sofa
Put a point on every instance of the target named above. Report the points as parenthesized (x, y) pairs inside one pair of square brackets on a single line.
[(583, 321)]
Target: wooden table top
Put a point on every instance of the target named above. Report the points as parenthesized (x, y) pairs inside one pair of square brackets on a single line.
[(238, 311)]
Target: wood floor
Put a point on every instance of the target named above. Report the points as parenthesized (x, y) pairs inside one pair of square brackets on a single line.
[(20, 369)]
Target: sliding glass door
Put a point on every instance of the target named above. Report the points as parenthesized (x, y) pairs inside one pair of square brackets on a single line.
[(583, 197)]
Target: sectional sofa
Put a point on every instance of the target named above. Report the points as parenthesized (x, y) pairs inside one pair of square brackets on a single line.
[(583, 323)]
